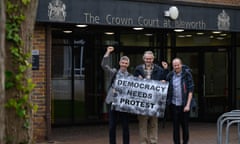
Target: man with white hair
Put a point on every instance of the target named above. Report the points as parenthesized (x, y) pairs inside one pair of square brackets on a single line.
[(148, 125)]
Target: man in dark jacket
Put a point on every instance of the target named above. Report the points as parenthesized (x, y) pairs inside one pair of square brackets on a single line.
[(148, 126), (180, 93)]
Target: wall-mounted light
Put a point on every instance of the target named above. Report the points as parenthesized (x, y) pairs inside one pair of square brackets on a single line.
[(172, 12)]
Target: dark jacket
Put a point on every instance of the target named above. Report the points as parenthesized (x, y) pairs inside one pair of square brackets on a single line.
[(158, 73), (187, 84)]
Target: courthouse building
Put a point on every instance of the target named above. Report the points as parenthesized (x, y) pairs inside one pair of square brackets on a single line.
[(71, 37)]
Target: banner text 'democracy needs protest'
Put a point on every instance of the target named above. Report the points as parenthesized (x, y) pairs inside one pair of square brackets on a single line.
[(140, 96)]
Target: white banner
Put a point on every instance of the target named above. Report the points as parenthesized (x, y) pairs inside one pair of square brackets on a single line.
[(140, 96)]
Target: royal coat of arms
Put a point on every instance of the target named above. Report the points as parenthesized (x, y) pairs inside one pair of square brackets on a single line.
[(57, 10), (223, 21)]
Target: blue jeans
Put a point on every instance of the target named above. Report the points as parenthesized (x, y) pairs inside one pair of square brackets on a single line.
[(123, 117)]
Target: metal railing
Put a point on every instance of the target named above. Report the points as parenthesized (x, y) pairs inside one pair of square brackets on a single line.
[(227, 119)]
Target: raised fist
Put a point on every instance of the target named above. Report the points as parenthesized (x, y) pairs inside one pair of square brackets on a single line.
[(164, 64), (110, 49)]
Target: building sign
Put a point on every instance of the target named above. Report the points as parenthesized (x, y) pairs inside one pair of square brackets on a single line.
[(35, 59), (140, 96), (138, 14)]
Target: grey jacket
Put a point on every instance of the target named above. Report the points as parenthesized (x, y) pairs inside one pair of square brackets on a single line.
[(106, 67), (111, 73)]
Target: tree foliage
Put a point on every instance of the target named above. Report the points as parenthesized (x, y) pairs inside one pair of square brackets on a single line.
[(20, 20)]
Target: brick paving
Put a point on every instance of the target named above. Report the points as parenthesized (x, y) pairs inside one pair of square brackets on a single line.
[(200, 133)]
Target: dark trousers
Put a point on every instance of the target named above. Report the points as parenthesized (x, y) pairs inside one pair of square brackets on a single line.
[(113, 118), (180, 118)]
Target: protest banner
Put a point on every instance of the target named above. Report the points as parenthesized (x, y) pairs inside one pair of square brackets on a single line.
[(140, 96)]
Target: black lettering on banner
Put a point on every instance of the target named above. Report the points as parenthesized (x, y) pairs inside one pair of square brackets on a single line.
[(142, 104), (136, 103), (140, 96), (138, 85), (124, 83), (119, 82), (150, 96), (146, 86), (130, 84), (127, 101), (152, 87), (163, 88), (141, 85), (129, 92)]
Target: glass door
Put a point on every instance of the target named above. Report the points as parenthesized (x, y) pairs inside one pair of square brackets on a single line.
[(210, 74), (62, 110), (191, 59), (68, 81), (215, 84), (79, 80)]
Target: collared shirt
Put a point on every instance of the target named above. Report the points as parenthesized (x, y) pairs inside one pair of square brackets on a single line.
[(177, 90), (122, 73), (147, 72)]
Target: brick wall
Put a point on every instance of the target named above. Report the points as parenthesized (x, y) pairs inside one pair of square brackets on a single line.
[(39, 78)]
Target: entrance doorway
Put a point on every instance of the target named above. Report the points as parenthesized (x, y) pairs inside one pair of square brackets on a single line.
[(75, 78), (210, 73), (79, 85)]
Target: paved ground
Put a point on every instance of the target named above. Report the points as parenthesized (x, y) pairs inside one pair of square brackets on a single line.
[(200, 133)]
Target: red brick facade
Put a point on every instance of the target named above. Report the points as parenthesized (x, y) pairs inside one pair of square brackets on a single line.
[(39, 78)]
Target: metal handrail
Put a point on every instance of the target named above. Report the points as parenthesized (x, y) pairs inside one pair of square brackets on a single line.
[(229, 117), (227, 130)]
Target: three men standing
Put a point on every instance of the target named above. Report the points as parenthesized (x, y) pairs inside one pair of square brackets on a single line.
[(180, 93)]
